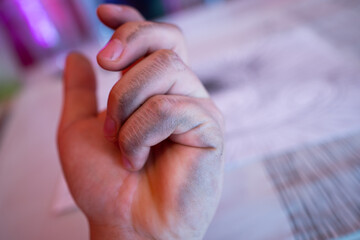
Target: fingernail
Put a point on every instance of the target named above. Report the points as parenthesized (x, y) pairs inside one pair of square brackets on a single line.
[(109, 127), (127, 163), (112, 50)]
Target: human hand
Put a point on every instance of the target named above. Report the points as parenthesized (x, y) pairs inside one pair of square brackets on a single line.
[(162, 178)]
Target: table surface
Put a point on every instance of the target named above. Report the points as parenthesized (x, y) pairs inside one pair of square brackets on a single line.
[(286, 75)]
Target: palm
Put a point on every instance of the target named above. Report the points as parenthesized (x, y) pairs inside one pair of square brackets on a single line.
[(103, 189)]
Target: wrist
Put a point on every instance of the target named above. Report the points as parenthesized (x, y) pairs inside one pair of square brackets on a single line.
[(110, 232), (113, 232)]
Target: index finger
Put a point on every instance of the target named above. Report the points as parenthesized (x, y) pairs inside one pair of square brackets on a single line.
[(134, 40)]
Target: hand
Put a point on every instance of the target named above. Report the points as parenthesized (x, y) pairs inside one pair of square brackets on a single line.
[(157, 172)]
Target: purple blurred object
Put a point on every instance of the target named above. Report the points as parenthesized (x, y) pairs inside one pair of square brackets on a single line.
[(41, 28), (40, 25)]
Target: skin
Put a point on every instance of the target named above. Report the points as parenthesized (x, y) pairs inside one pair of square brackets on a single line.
[(150, 166)]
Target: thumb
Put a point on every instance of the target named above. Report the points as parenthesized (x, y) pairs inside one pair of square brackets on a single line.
[(79, 91)]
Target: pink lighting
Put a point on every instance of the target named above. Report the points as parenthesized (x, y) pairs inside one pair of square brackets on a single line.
[(41, 27)]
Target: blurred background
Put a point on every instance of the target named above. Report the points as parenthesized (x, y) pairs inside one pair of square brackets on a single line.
[(38, 34), (35, 30), (285, 74)]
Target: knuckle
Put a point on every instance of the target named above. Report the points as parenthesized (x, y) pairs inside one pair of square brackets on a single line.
[(116, 102), (120, 100), (173, 27), (160, 107), (167, 58), (132, 30), (129, 140), (114, 95)]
